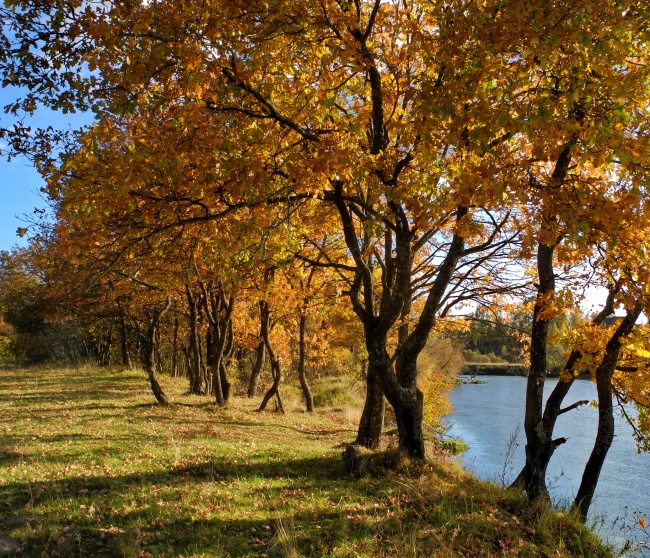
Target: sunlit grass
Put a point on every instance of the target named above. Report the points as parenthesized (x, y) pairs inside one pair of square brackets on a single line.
[(91, 466)]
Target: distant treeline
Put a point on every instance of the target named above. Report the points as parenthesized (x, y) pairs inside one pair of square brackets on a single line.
[(495, 369)]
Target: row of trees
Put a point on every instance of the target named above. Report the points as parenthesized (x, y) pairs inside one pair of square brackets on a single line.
[(411, 156), (291, 315)]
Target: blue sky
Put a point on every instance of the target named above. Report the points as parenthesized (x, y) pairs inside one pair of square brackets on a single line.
[(20, 183)]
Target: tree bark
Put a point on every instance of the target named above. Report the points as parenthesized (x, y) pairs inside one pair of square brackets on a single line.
[(124, 344), (194, 361), (175, 369), (402, 387), (302, 376), (410, 414), (227, 353), (219, 312), (405, 397), (553, 407), (372, 417), (379, 314), (148, 343), (276, 369), (538, 445), (158, 350), (605, 432), (256, 372)]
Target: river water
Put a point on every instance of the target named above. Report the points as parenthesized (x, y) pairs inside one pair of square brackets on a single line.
[(489, 417)]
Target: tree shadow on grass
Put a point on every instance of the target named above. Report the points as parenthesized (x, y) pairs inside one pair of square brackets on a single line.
[(116, 524), (314, 534), (272, 507), (76, 385), (308, 470), (7, 456)]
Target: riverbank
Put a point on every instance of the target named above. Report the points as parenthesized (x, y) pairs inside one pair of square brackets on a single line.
[(489, 417), (473, 369), (89, 466)]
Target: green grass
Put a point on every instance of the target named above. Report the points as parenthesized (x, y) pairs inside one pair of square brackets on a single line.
[(455, 446), (91, 466)]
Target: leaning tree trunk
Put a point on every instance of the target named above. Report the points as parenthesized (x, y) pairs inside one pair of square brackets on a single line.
[(538, 445), (149, 353), (276, 369), (158, 351), (605, 433), (372, 417), (553, 407), (302, 376), (256, 372)]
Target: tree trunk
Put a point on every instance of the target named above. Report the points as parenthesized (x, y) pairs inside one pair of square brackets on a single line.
[(218, 310), (124, 345), (214, 364), (158, 351), (410, 414), (260, 360), (553, 407), (379, 313), (276, 369), (372, 417), (405, 397), (108, 342), (225, 383), (605, 433), (274, 390), (302, 376), (194, 351), (226, 355), (538, 445), (148, 343), (175, 368)]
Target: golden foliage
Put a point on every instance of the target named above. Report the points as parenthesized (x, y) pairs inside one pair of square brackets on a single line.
[(439, 365)]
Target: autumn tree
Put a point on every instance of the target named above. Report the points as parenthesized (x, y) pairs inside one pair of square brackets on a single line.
[(374, 120), (581, 111), (443, 129), (23, 306)]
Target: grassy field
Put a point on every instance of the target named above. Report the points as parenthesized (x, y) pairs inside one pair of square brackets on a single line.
[(91, 466)]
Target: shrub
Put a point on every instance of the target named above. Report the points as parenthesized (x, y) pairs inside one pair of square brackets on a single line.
[(337, 391), (438, 366)]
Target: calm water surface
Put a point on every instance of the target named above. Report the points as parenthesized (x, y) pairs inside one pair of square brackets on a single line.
[(489, 415)]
